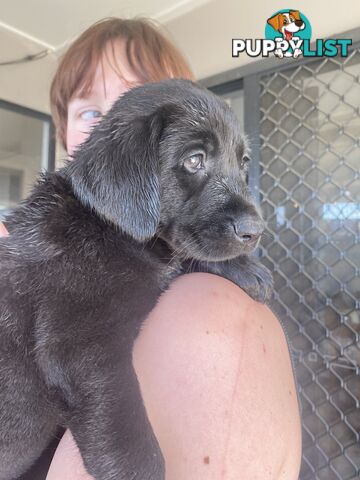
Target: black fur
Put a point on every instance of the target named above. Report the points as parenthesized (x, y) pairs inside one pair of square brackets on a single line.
[(91, 250)]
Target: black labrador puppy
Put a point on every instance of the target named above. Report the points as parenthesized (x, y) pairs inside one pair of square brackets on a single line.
[(158, 189)]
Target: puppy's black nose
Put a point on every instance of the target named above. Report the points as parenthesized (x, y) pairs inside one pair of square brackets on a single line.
[(248, 229), (298, 23)]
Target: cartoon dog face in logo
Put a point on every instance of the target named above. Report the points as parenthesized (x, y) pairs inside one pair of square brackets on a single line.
[(287, 24)]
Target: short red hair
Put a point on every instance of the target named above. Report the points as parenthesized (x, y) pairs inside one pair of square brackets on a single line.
[(150, 54)]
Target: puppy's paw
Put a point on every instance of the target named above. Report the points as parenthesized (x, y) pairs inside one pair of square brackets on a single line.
[(256, 280), (246, 272)]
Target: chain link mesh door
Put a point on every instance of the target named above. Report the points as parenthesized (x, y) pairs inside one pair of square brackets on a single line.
[(310, 189)]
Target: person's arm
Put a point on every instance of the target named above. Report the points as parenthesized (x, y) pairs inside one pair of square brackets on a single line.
[(217, 382), (67, 463), (3, 231)]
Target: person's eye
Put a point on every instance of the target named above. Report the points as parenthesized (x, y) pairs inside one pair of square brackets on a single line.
[(90, 115), (195, 162)]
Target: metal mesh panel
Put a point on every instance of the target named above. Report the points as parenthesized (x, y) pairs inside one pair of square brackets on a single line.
[(310, 188)]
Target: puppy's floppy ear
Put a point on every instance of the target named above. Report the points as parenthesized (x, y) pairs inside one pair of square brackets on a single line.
[(295, 14), (116, 172), (275, 21)]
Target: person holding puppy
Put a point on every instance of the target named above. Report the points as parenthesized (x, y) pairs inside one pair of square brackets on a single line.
[(213, 365)]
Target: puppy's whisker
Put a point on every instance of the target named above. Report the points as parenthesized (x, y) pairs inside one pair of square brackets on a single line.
[(186, 246), (178, 253), (192, 263), (156, 237)]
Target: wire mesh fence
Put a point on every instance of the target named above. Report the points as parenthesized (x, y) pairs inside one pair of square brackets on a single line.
[(310, 189)]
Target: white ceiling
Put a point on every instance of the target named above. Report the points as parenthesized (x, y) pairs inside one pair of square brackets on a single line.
[(54, 23)]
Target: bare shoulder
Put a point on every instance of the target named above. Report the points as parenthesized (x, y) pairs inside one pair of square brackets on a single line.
[(217, 361), (209, 296)]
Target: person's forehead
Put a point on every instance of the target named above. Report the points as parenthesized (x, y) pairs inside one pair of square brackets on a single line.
[(114, 62), (107, 79), (112, 72)]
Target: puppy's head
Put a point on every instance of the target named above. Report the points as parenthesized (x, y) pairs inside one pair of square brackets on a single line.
[(287, 23), (169, 160)]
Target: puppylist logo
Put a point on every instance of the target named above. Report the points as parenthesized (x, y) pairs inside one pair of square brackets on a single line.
[(288, 34)]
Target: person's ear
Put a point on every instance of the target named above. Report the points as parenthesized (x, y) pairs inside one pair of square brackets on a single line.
[(117, 173)]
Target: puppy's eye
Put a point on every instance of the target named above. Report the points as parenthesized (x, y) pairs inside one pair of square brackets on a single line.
[(195, 162), (285, 21)]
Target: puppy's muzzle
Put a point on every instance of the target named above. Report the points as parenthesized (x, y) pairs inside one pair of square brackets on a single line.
[(248, 230)]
